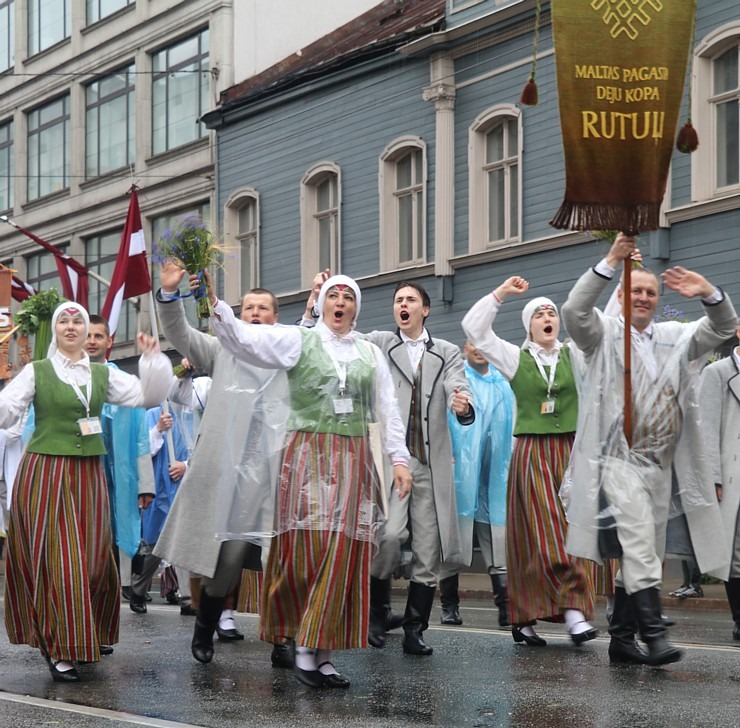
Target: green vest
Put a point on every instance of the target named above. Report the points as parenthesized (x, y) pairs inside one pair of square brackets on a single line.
[(57, 409), (530, 390), (314, 387)]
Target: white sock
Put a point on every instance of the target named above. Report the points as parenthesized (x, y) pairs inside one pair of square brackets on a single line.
[(529, 631), (63, 666), (575, 622), (609, 606), (305, 658), (323, 659), (226, 620)]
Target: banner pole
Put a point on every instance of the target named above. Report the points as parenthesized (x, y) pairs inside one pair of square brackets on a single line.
[(627, 313), (165, 404)]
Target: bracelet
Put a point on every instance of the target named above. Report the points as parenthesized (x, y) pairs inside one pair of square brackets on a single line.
[(494, 294)]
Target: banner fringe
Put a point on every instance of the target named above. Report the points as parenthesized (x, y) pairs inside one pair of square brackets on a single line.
[(631, 219)]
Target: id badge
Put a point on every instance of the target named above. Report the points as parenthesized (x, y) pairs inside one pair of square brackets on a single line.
[(548, 407), (89, 425), (343, 406)]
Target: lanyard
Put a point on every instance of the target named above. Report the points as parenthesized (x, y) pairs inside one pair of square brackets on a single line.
[(78, 392), (551, 379)]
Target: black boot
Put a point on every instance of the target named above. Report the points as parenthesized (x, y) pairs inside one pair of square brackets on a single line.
[(732, 587), (646, 605), (416, 619), (450, 599), (623, 628), (501, 598), (209, 612), (382, 618)]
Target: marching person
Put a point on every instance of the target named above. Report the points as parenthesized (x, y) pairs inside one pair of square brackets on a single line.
[(61, 583), (544, 582), (634, 478)]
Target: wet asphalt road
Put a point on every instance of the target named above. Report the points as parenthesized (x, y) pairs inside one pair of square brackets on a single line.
[(476, 677)]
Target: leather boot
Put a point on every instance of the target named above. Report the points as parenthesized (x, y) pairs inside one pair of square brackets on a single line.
[(448, 595), (416, 619), (382, 618), (732, 587), (646, 605), (623, 647), (206, 622), (501, 598)]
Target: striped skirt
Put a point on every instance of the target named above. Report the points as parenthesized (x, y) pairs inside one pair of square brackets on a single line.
[(316, 586), (543, 579), (62, 592)]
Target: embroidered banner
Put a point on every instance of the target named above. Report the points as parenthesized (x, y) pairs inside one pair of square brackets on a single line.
[(6, 322), (621, 66)]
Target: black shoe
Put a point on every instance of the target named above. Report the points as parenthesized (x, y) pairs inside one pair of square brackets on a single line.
[(382, 618), (171, 597), (106, 650), (281, 657), (626, 652), (667, 621), (147, 598), (501, 598), (736, 631), (416, 618), (229, 635), (531, 640), (209, 612), (312, 678), (581, 637), (126, 593), (66, 676), (393, 621), (188, 611), (137, 604), (413, 644), (451, 615), (334, 680), (646, 605)]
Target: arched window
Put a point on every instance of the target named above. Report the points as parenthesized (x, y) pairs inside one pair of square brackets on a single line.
[(241, 230), (320, 221), (403, 204), (494, 152)]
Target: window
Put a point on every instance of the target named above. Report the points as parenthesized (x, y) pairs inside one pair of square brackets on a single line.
[(6, 166), (241, 233), (724, 102), (48, 148), (495, 190), (7, 34), (403, 204), (49, 22), (320, 227), (41, 271), (97, 9), (101, 252), (159, 225), (110, 123), (180, 88)]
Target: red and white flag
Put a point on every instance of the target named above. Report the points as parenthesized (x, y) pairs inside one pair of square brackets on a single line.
[(72, 274), (131, 273), (20, 290)]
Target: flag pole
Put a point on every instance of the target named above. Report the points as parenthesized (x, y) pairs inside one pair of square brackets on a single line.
[(627, 313), (165, 404)]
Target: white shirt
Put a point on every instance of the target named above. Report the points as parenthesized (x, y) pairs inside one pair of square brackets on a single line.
[(124, 389), (415, 347)]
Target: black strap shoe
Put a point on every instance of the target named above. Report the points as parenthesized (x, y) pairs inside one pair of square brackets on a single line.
[(62, 676), (229, 635), (334, 679), (281, 657), (137, 604)]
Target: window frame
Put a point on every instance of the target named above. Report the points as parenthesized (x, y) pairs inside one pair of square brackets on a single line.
[(35, 34), (90, 4), (203, 60), (390, 196), (65, 121), (129, 91), (234, 286), (478, 178), (7, 174), (8, 61), (311, 218), (50, 277)]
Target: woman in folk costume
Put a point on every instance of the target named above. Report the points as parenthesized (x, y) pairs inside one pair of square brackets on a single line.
[(317, 581), (544, 581), (61, 583)]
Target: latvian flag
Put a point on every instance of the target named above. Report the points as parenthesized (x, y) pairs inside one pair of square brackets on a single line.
[(131, 273), (20, 290)]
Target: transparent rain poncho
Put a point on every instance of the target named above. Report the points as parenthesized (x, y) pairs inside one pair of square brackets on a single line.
[(607, 479), (305, 461)]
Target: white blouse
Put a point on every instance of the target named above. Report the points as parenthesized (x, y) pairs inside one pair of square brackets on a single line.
[(155, 372), (280, 347)]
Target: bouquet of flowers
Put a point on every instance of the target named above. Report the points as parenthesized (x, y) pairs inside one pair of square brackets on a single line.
[(34, 319), (191, 245)]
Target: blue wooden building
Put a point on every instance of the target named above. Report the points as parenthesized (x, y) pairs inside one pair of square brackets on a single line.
[(396, 148)]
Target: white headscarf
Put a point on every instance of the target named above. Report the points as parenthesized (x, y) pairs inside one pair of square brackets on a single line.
[(74, 309), (530, 309), (340, 280)]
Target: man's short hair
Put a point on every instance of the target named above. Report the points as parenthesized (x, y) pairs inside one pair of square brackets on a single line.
[(96, 319), (264, 292), (425, 300), (641, 269)]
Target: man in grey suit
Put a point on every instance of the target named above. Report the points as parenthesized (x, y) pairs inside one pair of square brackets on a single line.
[(720, 408), (429, 376), (634, 478)]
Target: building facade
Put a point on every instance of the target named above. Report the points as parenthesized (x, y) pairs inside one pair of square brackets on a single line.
[(396, 148)]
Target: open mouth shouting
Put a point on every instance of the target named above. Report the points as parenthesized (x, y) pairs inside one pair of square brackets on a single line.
[(404, 316), (548, 329)]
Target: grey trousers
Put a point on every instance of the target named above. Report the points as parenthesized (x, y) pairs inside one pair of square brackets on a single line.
[(232, 558)]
